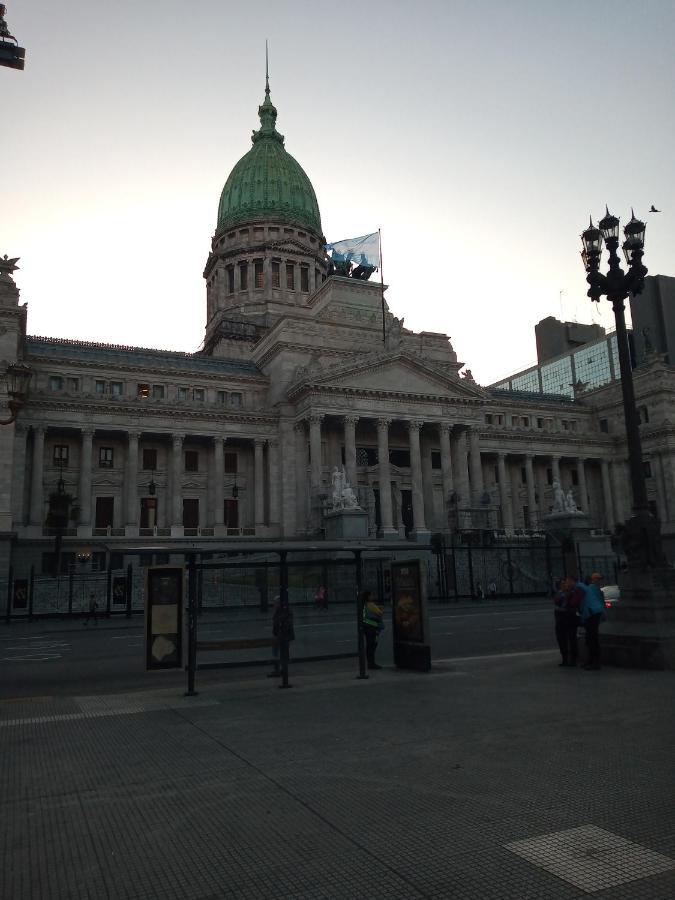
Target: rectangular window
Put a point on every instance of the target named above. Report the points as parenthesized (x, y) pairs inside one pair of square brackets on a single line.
[(143, 390), (523, 475), (235, 400), (243, 276), (230, 463), (290, 277), (230, 279), (158, 392), (55, 383), (488, 418), (276, 275), (183, 393), (435, 459), (367, 456), (61, 454), (317, 277), (304, 279), (540, 423), (231, 513), (105, 457), (565, 424), (198, 394), (647, 466), (575, 477), (190, 512), (149, 458), (73, 385), (148, 512), (105, 508), (222, 397), (515, 420), (116, 388), (604, 426), (549, 476), (259, 276), (191, 461), (398, 458), (99, 387), (526, 421)]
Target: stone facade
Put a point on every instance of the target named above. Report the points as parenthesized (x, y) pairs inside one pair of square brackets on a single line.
[(295, 378)]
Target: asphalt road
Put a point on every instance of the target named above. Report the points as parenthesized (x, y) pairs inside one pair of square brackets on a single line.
[(56, 657)]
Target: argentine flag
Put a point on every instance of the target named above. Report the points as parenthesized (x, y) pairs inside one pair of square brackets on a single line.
[(363, 251)]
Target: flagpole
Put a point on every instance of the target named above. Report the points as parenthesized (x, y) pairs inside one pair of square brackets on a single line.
[(384, 333)]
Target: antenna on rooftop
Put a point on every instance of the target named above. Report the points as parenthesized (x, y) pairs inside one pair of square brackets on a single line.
[(560, 293)]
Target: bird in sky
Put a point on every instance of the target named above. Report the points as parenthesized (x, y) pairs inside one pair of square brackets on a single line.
[(654, 209)]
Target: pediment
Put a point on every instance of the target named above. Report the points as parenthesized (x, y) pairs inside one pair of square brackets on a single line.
[(398, 374)]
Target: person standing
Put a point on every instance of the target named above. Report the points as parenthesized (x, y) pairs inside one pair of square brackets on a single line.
[(373, 625), (93, 606), (566, 602), (321, 597), (592, 612)]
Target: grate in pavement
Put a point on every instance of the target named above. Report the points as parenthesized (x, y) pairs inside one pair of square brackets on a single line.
[(591, 858)]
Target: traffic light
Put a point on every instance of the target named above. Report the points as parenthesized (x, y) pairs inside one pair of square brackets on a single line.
[(11, 55)]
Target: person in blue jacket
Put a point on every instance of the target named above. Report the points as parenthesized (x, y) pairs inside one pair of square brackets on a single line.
[(592, 613)]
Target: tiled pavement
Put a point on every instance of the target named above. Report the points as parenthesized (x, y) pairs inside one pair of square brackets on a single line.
[(487, 779)]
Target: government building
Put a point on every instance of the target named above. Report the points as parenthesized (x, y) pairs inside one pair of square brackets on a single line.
[(238, 441)]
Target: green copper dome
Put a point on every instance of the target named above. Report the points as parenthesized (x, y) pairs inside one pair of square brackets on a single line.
[(268, 182)]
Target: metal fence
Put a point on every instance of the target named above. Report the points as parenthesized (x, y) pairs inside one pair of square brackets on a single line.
[(474, 571)]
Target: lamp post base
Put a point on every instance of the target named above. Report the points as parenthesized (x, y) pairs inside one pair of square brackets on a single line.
[(640, 632)]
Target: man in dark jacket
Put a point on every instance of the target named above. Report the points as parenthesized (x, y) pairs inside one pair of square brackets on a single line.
[(567, 600)]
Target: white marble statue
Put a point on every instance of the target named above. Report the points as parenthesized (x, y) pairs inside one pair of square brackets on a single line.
[(559, 499), (570, 502), (343, 494)]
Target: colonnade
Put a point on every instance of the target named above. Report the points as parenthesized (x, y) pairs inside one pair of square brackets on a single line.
[(264, 483), (462, 475)]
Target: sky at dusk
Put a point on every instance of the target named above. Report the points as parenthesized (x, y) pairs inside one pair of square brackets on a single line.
[(478, 135)]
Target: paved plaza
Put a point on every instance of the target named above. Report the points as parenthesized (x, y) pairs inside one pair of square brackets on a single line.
[(501, 777)]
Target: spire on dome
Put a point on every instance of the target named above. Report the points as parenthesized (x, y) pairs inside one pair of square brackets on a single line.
[(267, 111)]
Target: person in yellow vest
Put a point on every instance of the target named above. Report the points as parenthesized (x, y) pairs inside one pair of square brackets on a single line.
[(373, 625)]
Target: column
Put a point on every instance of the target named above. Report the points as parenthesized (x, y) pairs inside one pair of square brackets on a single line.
[(131, 479), (531, 492), (350, 450), (300, 476), (177, 480), (259, 476), (219, 480), (476, 468), (460, 467), (620, 484), (237, 279), (416, 473), (504, 494), (541, 481), (607, 494), (86, 448), (384, 477), (315, 451), (36, 489), (19, 475), (583, 488), (555, 468), (427, 481), (273, 480), (446, 469)]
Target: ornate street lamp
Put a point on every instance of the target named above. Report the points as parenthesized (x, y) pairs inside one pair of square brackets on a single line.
[(641, 535), (18, 375)]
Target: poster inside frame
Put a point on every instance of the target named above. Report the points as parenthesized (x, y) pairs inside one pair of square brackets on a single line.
[(164, 591)]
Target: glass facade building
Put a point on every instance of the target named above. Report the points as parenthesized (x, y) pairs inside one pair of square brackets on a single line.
[(593, 365)]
